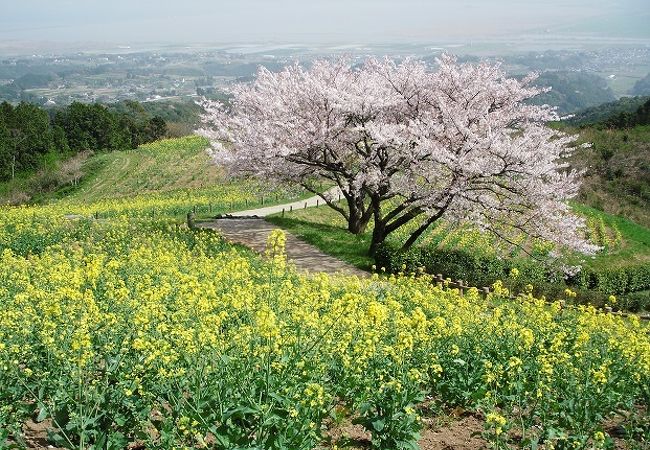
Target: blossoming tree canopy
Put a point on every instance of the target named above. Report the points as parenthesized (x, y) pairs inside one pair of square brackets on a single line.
[(406, 144)]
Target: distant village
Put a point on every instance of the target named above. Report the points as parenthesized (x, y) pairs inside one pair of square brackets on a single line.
[(184, 74)]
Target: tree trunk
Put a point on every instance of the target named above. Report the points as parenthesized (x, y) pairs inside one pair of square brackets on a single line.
[(356, 225), (417, 233), (379, 233), (358, 220), (378, 237)]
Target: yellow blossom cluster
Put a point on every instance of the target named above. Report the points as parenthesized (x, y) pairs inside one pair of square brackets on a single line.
[(125, 329)]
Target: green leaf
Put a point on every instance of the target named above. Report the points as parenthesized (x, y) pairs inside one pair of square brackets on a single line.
[(120, 421), (42, 414)]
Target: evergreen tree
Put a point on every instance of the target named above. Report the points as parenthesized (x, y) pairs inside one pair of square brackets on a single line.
[(30, 137), (156, 128), (5, 149)]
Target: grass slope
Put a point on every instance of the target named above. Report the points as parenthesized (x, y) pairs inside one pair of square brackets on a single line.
[(617, 177), (635, 246), (161, 166), (168, 177), (325, 228), (320, 228), (602, 113)]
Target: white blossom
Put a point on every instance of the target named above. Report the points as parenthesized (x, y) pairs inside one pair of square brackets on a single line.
[(404, 142)]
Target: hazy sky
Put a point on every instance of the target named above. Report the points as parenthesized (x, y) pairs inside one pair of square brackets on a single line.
[(178, 21)]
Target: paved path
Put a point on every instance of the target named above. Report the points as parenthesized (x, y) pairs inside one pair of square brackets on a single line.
[(244, 228), (268, 210), (254, 232)]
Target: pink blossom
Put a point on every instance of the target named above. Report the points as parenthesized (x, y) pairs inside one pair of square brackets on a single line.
[(407, 143)]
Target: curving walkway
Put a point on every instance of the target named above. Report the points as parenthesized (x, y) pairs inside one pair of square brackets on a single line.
[(249, 229), (335, 192)]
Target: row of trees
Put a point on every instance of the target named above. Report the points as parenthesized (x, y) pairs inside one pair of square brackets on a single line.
[(30, 135), (630, 119)]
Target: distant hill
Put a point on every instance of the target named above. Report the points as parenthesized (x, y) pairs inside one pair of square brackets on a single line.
[(573, 91), (601, 113), (642, 87)]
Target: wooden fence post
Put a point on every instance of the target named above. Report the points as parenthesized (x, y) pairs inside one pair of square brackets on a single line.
[(317, 203), (290, 208), (282, 212), (190, 220), (460, 286), (305, 205)]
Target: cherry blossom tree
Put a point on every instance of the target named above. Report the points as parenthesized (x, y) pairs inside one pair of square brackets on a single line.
[(407, 145)]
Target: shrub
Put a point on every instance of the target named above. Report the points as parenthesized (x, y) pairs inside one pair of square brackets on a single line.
[(635, 301), (594, 285), (618, 280), (475, 268)]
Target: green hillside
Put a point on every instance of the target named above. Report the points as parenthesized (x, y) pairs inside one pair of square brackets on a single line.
[(161, 166), (617, 171), (573, 91), (604, 112)]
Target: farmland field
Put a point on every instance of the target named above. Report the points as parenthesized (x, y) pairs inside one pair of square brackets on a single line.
[(134, 331)]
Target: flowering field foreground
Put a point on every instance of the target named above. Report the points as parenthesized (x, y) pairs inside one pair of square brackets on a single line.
[(133, 332)]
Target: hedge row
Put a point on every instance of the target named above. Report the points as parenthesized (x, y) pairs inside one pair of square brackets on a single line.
[(616, 281), (474, 268), (483, 270)]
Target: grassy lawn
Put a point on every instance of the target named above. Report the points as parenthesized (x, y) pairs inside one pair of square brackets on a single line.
[(627, 243), (325, 228), (332, 239)]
